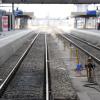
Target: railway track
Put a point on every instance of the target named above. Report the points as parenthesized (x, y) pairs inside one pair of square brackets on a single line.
[(35, 76), (29, 79), (84, 41), (86, 47)]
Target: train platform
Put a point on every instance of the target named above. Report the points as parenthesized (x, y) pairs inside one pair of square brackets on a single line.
[(80, 82), (90, 35), (12, 41), (12, 32), (90, 31), (84, 89)]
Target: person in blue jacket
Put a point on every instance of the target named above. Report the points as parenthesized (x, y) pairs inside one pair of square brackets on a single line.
[(79, 68)]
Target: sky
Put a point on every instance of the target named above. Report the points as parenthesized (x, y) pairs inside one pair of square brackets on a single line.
[(45, 10), (48, 10)]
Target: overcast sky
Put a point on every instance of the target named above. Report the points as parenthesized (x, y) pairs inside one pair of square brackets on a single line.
[(44, 10)]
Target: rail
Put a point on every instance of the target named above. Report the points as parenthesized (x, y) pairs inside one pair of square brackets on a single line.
[(47, 70), (82, 49), (47, 73), (75, 37)]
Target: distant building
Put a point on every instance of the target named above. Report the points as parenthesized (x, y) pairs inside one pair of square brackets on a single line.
[(21, 21), (84, 18)]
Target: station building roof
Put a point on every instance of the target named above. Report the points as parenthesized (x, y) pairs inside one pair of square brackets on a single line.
[(53, 1), (83, 14), (28, 15), (23, 16)]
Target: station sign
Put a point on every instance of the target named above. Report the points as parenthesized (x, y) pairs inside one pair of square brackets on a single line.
[(92, 12), (52, 1), (18, 13)]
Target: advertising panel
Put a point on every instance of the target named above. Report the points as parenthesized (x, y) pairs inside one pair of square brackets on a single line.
[(4, 23)]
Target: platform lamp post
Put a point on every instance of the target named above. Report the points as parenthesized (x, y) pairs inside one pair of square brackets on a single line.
[(13, 17), (96, 26), (98, 19)]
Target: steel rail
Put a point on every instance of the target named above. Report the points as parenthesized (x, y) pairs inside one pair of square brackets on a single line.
[(14, 70), (85, 51), (90, 44), (47, 71)]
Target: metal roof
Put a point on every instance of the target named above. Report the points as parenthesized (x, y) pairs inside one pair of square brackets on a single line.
[(52, 1), (29, 15), (86, 16), (81, 14), (23, 16)]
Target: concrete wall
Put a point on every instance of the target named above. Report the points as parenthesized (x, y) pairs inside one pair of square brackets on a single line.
[(10, 44)]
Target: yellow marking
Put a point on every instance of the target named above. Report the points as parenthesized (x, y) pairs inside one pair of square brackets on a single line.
[(77, 56), (71, 53)]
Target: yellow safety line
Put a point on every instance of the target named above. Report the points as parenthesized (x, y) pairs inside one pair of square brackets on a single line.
[(71, 53), (77, 56)]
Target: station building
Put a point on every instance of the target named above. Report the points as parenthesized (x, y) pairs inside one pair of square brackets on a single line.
[(85, 20), (20, 22)]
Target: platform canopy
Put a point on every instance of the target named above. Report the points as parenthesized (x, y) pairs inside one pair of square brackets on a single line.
[(20, 14), (52, 1), (84, 14), (91, 13)]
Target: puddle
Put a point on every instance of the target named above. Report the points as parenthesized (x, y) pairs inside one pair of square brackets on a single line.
[(61, 68)]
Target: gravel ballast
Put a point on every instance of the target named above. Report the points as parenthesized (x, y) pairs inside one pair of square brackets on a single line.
[(8, 65), (29, 79), (61, 85)]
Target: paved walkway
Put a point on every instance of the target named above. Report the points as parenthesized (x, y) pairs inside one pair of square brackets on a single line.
[(90, 35), (11, 36), (78, 81), (90, 30), (8, 33)]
